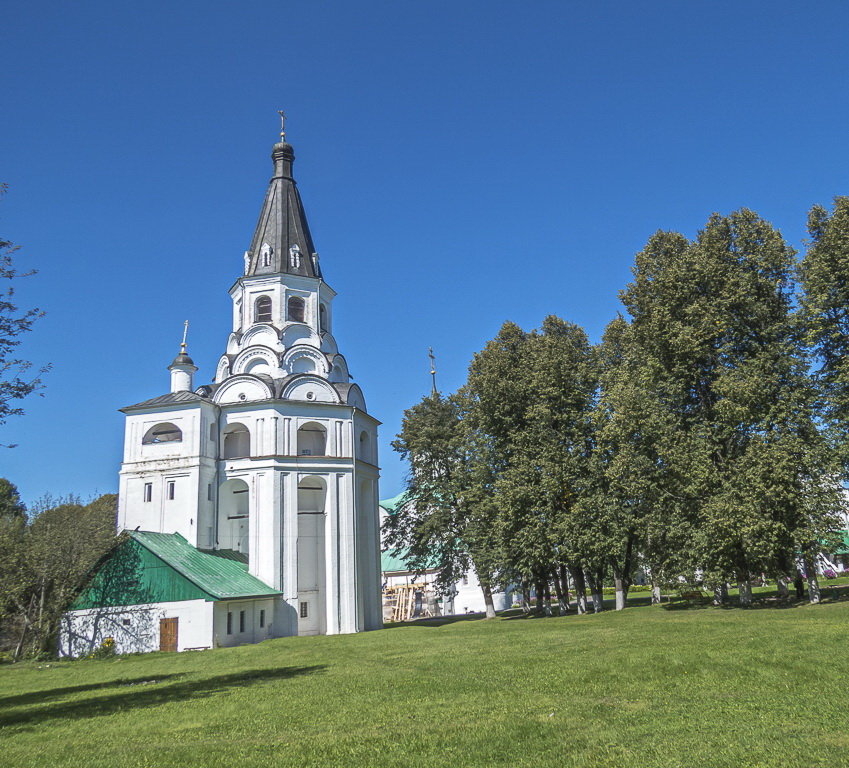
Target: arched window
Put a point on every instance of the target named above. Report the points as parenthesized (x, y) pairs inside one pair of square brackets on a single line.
[(322, 318), (162, 433), (262, 310), (311, 440), (295, 309), (237, 442)]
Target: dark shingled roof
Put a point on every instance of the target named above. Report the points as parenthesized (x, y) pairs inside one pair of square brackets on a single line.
[(282, 224), (172, 398)]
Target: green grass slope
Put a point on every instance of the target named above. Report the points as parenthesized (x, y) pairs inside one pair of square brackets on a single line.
[(645, 687)]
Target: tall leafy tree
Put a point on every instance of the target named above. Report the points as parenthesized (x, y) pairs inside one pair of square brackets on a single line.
[(713, 320), (56, 551), (16, 381), (11, 505), (824, 273), (443, 522), (626, 513), (532, 395)]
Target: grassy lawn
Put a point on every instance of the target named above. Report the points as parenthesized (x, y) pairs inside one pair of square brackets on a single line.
[(649, 686)]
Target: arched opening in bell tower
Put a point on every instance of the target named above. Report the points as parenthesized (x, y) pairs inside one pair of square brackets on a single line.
[(237, 442), (312, 440), (295, 309), (262, 310), (234, 516)]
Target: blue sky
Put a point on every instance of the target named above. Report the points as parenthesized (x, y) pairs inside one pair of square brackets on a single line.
[(462, 163)]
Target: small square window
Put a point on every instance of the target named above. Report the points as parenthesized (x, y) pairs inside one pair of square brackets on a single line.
[(148, 491), (305, 610), (262, 618), (126, 622), (209, 492), (171, 490), (241, 621), (229, 623)]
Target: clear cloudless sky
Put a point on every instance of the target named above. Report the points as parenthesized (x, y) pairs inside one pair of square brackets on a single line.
[(462, 163)]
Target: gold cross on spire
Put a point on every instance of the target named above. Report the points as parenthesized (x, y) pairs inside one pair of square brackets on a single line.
[(282, 124), (432, 369), (185, 333)]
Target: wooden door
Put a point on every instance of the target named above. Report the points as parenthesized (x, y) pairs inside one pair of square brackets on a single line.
[(168, 634)]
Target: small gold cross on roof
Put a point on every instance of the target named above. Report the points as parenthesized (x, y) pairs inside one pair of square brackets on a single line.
[(282, 123)]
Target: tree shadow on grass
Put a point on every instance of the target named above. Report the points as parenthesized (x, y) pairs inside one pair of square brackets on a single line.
[(766, 600), (140, 697), (43, 696), (435, 621)]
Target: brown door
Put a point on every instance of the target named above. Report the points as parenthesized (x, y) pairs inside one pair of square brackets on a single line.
[(168, 635)]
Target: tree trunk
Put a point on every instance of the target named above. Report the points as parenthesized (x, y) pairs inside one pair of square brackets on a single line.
[(539, 589), (580, 589), (20, 646), (656, 596), (564, 585), (622, 576), (526, 597), (562, 604), (720, 594), (799, 586), (547, 588), (782, 588), (745, 588), (595, 591), (813, 583), (25, 612), (487, 599), (620, 584)]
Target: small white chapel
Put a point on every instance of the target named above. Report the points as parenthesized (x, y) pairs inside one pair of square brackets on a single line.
[(249, 505)]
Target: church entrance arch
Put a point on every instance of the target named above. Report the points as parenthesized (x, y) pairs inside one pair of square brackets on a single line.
[(312, 493), (234, 515)]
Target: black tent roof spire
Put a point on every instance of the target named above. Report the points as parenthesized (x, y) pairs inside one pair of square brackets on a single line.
[(282, 241)]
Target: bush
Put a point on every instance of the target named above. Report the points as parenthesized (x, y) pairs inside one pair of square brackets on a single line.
[(104, 651)]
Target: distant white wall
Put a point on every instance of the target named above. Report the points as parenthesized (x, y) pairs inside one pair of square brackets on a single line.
[(135, 628)]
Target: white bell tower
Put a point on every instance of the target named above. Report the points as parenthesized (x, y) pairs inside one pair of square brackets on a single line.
[(275, 460)]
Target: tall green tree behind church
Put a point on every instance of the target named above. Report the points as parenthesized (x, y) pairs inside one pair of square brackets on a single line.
[(742, 457), (532, 398), (824, 276)]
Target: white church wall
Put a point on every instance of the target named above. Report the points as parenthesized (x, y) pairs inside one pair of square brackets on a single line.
[(368, 551), (239, 629), (135, 628), (468, 597)]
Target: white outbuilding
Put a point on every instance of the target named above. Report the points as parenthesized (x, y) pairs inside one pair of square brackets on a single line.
[(272, 466)]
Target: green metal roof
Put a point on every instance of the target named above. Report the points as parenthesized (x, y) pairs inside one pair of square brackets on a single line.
[(390, 505), (222, 574), (390, 562), (843, 547)]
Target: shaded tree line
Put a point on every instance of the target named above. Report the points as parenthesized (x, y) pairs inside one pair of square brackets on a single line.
[(702, 441), (47, 554)]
